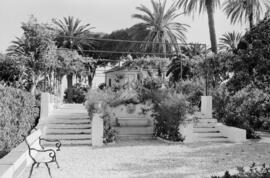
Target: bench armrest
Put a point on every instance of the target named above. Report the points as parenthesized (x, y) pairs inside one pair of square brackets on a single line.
[(45, 156), (57, 144)]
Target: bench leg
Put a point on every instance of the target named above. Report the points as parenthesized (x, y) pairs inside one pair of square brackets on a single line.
[(31, 170), (37, 165), (56, 162), (48, 169)]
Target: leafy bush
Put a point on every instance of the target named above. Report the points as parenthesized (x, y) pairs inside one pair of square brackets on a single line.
[(109, 134), (152, 83), (249, 109), (102, 86), (18, 113), (78, 93), (169, 113), (252, 172), (192, 89), (251, 63)]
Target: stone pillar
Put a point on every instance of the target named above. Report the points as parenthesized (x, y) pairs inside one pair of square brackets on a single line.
[(206, 106), (44, 106), (97, 130), (63, 87)]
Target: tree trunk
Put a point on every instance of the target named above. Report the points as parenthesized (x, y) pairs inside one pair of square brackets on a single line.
[(251, 21), (33, 89), (211, 24), (91, 77), (69, 89)]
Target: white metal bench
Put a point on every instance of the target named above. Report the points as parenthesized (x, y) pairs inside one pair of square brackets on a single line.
[(39, 154)]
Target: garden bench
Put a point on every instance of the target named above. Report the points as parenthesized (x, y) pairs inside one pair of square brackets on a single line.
[(39, 154)]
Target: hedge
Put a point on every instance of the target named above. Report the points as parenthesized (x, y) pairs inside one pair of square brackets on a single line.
[(18, 114)]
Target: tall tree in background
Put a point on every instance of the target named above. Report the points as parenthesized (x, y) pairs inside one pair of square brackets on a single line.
[(245, 10), (161, 25), (35, 51), (229, 41), (71, 36), (191, 6)]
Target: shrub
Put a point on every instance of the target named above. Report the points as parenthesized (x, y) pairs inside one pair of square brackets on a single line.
[(18, 113), (193, 90), (169, 113), (252, 172), (102, 86), (109, 134), (78, 93), (248, 108)]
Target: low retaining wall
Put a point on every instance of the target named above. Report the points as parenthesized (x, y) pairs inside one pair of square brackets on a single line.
[(232, 133), (48, 104), (14, 163)]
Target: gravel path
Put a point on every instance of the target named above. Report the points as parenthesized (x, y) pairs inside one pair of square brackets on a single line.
[(153, 159)]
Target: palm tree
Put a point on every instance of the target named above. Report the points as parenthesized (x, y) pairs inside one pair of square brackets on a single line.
[(161, 26), (70, 35), (191, 6), (229, 41), (245, 10)]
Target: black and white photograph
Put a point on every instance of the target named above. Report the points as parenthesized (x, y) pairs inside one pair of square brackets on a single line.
[(135, 89)]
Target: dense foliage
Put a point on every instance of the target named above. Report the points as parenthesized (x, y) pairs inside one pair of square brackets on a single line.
[(251, 64), (248, 108), (34, 52), (192, 89), (253, 171), (78, 94), (169, 113), (18, 114)]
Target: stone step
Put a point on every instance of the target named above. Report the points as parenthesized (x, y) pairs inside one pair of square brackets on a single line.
[(71, 118), (134, 130), (204, 125), (212, 139), (209, 135), (207, 120), (68, 126), (73, 143), (204, 129), (67, 131), (70, 121), (69, 136), (134, 122)]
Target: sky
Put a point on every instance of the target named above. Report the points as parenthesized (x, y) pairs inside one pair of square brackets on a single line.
[(105, 15)]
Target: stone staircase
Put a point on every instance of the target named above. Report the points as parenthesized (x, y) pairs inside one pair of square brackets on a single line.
[(71, 125), (134, 128), (205, 131)]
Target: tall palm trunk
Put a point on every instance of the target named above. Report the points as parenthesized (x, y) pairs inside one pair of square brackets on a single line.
[(211, 24), (69, 85), (251, 20), (91, 77)]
